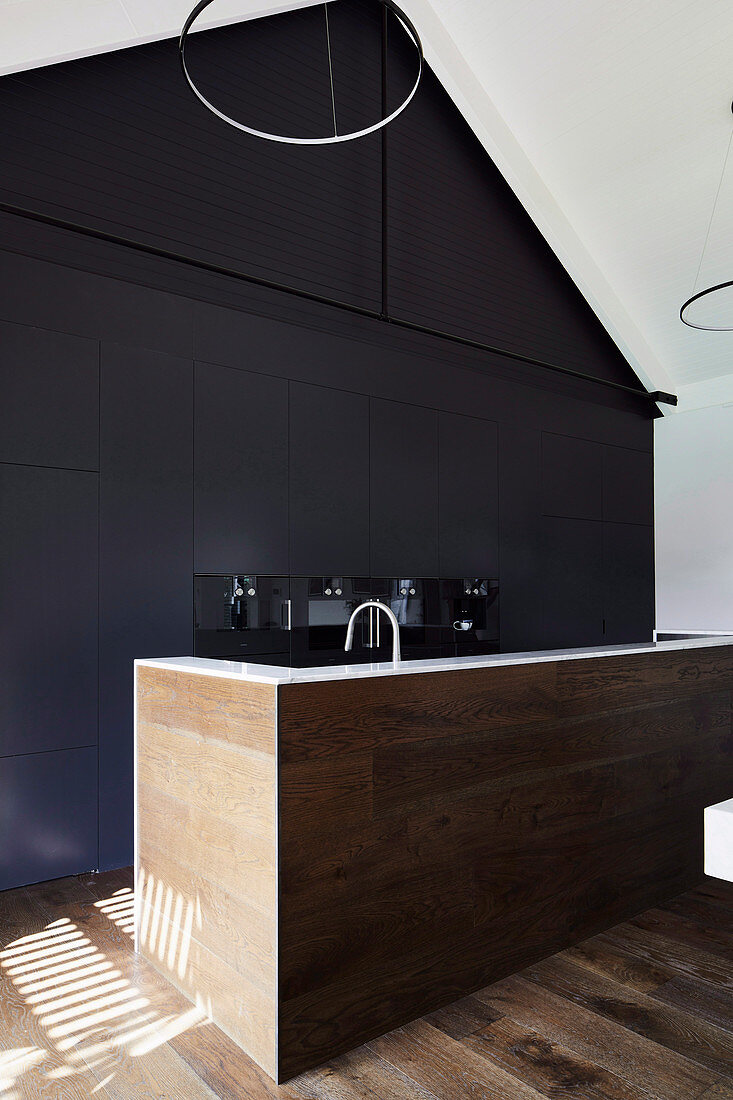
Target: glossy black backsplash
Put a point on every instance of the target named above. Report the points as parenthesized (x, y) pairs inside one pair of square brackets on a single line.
[(302, 621)]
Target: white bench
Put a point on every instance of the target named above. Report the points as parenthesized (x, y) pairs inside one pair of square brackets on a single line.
[(719, 840)]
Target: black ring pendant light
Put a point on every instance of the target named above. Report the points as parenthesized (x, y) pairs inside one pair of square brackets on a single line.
[(711, 290), (330, 139)]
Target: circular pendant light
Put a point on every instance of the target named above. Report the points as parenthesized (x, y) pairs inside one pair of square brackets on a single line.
[(714, 296), (331, 139)]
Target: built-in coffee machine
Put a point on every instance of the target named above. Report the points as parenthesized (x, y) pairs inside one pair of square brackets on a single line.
[(470, 614), (302, 621), (242, 618)]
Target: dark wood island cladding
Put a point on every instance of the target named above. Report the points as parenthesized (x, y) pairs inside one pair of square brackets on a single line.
[(440, 831)]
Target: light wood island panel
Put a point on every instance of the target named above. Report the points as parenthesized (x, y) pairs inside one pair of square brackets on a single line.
[(207, 847)]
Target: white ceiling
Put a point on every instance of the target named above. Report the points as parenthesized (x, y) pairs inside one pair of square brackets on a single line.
[(610, 120), (42, 32)]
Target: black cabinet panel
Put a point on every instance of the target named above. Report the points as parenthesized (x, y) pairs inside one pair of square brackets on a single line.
[(241, 471), (468, 497), (628, 554), (48, 609), (146, 564), (48, 806), (572, 477), (404, 490), (49, 398), (572, 572), (628, 486), (520, 547), (329, 481)]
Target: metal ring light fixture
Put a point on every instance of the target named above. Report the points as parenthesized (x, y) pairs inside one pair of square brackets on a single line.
[(696, 298), (709, 291), (336, 137)]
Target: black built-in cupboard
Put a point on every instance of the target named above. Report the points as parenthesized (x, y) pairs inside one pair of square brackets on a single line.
[(124, 471), (146, 553), (597, 543), (49, 489), (329, 481), (240, 453)]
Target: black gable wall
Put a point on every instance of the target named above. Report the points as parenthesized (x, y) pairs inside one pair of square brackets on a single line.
[(156, 419)]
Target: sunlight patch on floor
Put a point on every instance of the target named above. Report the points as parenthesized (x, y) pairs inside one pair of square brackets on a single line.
[(14, 1063), (91, 1015)]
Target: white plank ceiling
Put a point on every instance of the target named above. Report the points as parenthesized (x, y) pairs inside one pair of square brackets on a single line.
[(610, 120)]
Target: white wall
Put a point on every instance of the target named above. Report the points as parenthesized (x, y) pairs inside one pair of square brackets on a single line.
[(693, 485)]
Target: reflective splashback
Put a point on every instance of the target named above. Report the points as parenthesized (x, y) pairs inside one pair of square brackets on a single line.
[(302, 621)]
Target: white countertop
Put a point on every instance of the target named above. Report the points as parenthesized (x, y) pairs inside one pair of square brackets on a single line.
[(274, 674)]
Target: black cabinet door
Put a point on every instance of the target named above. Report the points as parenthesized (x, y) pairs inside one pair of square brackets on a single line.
[(468, 497), (520, 578), (49, 398), (240, 472), (48, 816), (572, 582), (404, 490), (48, 609), (329, 481), (628, 567), (146, 562), (572, 477), (628, 486)]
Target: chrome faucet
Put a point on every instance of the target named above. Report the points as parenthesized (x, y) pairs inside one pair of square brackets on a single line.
[(396, 653)]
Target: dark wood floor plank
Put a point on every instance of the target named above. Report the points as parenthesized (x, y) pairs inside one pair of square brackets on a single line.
[(549, 1067), (708, 915), (714, 890), (448, 1068), (678, 926), (709, 1003), (655, 1071), (605, 957), (670, 1027), (359, 1075), (103, 884), (462, 1018), (721, 1091), (57, 894), (682, 958)]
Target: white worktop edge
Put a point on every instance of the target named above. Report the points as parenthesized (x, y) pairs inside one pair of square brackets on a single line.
[(274, 674)]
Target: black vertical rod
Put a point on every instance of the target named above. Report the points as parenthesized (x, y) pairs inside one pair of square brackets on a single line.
[(385, 227)]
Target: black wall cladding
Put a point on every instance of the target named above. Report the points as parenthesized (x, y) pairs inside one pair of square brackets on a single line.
[(118, 143)]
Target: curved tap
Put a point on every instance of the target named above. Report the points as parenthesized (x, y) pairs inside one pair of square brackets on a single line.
[(396, 652)]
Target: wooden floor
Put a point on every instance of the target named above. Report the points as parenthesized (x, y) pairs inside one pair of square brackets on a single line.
[(642, 1011)]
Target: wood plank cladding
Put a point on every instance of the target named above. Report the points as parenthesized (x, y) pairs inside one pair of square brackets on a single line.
[(324, 862), (207, 847), (441, 831)]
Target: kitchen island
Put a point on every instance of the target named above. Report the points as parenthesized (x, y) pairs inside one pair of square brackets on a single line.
[(325, 854)]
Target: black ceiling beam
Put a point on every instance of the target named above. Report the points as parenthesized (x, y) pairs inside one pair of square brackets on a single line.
[(310, 296)]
